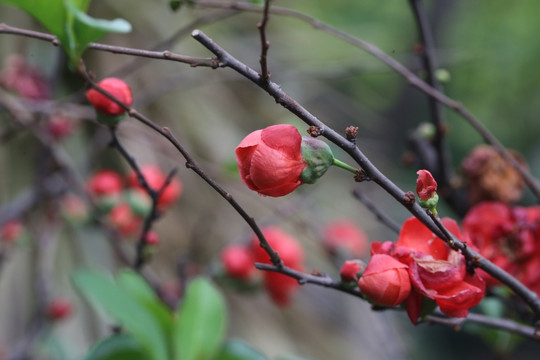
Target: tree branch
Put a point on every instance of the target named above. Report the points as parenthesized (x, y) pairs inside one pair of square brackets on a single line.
[(265, 45)]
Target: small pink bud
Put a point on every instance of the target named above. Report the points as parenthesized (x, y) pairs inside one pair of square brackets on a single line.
[(426, 186), (152, 238), (117, 88), (238, 261), (59, 309), (350, 270)]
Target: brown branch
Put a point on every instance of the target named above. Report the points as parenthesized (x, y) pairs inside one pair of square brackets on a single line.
[(265, 45), (443, 172), (382, 217), (500, 324), (190, 164), (411, 78), (370, 169)]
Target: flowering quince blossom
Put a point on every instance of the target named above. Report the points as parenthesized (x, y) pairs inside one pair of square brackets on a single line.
[(270, 160), (117, 88), (238, 261), (350, 270), (279, 286), (426, 186), (345, 235), (276, 160), (509, 237), (435, 270), (155, 178), (385, 280)]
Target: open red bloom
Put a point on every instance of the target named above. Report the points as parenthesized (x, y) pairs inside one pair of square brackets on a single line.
[(270, 160), (385, 280), (117, 88), (280, 287), (435, 270), (507, 236), (426, 186)]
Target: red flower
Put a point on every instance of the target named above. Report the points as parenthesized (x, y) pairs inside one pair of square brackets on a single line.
[(11, 231), (426, 186), (155, 178), (238, 261), (350, 270), (435, 270), (270, 160), (345, 235), (105, 182), (59, 309), (117, 88), (385, 280), (279, 286), (124, 220), (506, 236)]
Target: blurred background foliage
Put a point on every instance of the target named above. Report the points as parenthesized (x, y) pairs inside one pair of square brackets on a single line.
[(490, 49)]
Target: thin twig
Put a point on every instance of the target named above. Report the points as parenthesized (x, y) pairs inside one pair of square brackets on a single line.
[(414, 80), (265, 44), (190, 164), (427, 52), (495, 323), (382, 217), (411, 78), (371, 170)]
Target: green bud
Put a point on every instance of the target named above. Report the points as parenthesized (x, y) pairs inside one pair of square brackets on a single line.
[(139, 201), (430, 204), (318, 156)]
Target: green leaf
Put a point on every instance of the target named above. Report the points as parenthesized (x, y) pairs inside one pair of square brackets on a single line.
[(200, 326), (239, 350), (67, 20), (102, 292), (138, 288), (117, 347)]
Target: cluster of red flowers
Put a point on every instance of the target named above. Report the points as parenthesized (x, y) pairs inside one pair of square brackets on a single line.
[(509, 237), (238, 263), (126, 207), (421, 265)]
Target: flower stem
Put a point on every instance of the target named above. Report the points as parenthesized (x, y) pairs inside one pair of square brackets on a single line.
[(344, 166)]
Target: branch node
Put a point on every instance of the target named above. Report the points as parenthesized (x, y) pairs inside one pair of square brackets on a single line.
[(314, 131)]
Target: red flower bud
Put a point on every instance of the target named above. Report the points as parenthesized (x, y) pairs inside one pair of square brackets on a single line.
[(155, 178), (11, 231), (105, 182), (270, 160), (238, 261), (59, 309), (345, 234), (124, 220), (59, 126), (152, 238), (279, 286), (385, 280), (117, 88), (426, 186), (350, 270)]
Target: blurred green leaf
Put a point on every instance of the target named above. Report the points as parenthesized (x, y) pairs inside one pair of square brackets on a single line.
[(104, 293), (139, 290), (67, 20), (239, 350), (200, 326), (117, 347)]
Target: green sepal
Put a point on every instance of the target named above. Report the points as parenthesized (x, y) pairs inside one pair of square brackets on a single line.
[(430, 204), (318, 157), (110, 120)]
